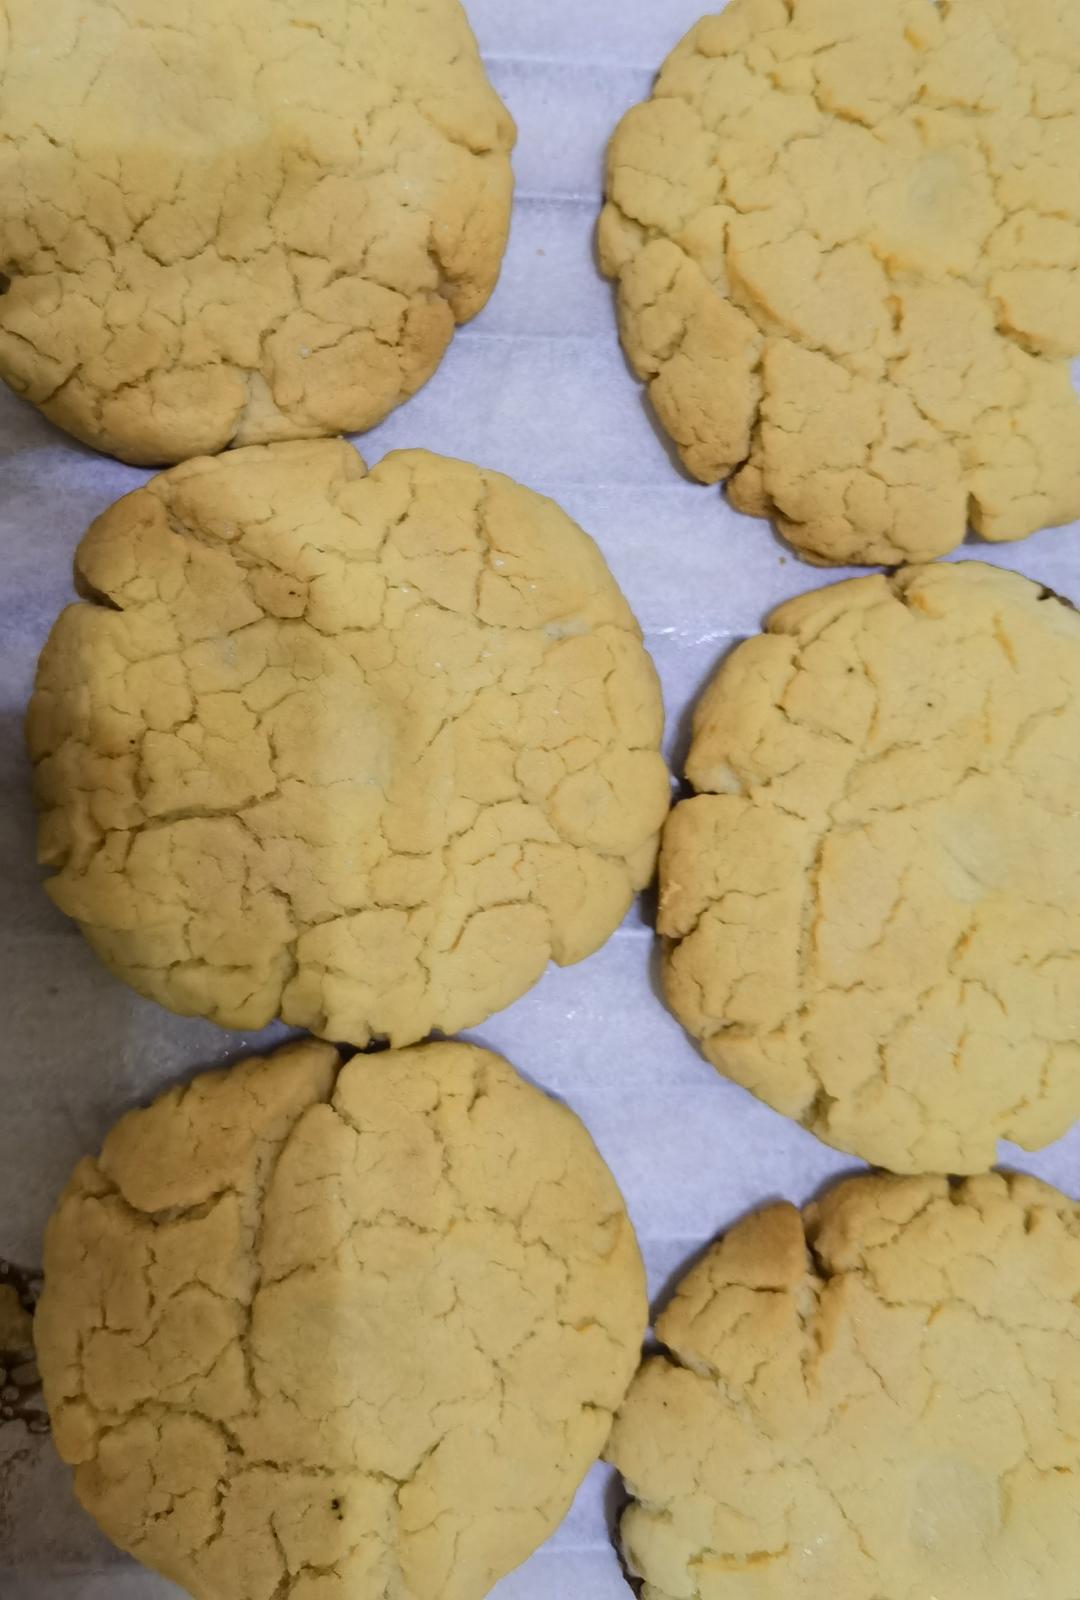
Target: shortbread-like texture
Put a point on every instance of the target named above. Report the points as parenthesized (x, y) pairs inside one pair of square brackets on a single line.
[(231, 222), (307, 1339), (359, 751), (879, 1400), (873, 902), (846, 235)]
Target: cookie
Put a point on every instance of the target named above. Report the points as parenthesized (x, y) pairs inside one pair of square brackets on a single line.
[(233, 223), (309, 1332), (846, 238), (875, 1400), (359, 751), (872, 904)]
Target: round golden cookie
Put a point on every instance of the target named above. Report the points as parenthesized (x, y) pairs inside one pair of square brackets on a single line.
[(309, 1333), (877, 1400), (873, 901), (359, 751), (248, 220), (846, 235)]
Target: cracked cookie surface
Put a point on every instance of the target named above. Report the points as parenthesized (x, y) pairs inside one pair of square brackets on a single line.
[(357, 751), (872, 902), (876, 1400), (233, 223), (310, 1333), (846, 235), (361, 751)]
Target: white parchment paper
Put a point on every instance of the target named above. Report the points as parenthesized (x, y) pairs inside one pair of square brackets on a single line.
[(536, 387)]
